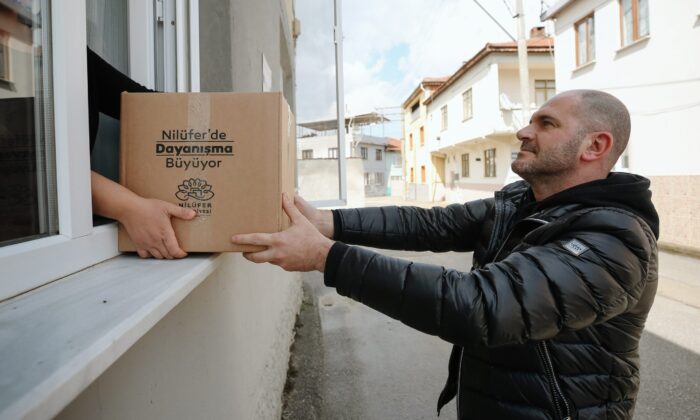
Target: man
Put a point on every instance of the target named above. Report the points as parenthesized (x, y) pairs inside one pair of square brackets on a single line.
[(547, 324)]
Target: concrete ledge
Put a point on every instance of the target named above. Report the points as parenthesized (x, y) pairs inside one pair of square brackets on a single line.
[(56, 340)]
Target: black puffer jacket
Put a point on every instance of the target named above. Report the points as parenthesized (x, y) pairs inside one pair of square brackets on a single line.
[(548, 322)]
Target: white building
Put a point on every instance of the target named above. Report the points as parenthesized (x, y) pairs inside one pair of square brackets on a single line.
[(472, 118), (363, 141), (647, 53), (423, 173)]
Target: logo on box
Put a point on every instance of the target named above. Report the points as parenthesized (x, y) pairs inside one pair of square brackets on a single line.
[(197, 189)]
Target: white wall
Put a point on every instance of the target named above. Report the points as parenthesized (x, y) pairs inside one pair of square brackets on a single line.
[(656, 78), (483, 79), (221, 353)]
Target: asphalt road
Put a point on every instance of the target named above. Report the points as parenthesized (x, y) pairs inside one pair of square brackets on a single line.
[(350, 362)]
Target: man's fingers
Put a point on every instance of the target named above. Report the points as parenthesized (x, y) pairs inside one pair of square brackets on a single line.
[(291, 210), (260, 256), (170, 242), (263, 239), (181, 212)]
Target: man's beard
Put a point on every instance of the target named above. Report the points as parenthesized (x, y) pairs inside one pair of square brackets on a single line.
[(554, 162)]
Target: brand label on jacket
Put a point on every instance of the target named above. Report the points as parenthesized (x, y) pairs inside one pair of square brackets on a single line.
[(576, 247)]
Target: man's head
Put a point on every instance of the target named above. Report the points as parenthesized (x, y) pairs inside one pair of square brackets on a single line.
[(578, 134)]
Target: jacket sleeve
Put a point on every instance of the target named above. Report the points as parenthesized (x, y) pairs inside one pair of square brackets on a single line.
[(532, 294), (452, 228)]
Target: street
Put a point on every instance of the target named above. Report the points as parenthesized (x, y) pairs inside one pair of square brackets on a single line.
[(351, 362)]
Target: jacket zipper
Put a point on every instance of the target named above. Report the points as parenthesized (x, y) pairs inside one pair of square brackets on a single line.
[(557, 392)]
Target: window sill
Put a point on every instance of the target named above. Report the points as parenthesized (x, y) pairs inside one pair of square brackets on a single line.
[(582, 67), (59, 338), (632, 45)]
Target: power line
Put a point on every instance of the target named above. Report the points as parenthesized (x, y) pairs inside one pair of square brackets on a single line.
[(495, 21)]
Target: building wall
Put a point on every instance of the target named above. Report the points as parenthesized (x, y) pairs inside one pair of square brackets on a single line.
[(221, 353), (318, 180), (657, 79), (483, 80)]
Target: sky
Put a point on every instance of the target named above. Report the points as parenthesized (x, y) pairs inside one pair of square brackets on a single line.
[(389, 46)]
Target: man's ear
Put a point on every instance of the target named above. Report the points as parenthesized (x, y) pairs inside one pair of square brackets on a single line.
[(598, 146)]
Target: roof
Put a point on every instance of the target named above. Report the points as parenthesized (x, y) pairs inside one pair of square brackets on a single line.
[(534, 45), (554, 10), (357, 120), (394, 145), (428, 82)]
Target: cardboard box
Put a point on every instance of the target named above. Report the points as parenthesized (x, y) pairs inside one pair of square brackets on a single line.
[(229, 156)]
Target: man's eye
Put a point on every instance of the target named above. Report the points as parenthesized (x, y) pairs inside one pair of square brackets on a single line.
[(547, 123)]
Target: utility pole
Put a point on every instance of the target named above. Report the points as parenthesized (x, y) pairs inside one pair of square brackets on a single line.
[(522, 63)]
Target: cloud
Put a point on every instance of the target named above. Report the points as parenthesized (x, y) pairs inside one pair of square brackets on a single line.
[(389, 47)]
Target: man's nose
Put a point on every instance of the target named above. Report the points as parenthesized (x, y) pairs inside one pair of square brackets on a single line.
[(524, 133)]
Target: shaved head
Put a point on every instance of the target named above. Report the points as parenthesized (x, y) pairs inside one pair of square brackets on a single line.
[(600, 111)]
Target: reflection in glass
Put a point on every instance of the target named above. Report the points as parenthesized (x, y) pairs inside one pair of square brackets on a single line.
[(317, 130), (27, 189)]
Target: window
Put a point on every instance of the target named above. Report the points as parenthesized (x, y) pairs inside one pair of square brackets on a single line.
[(490, 163), (367, 178), (414, 111), (363, 152), (422, 174), (410, 141), (422, 136), (4, 57), (467, 105), (443, 119), (379, 178), (61, 156), (307, 154), (585, 40), (634, 20), (28, 206), (544, 89), (333, 153), (412, 176), (378, 154), (465, 165)]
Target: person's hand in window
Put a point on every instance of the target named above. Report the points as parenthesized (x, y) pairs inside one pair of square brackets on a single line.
[(147, 221)]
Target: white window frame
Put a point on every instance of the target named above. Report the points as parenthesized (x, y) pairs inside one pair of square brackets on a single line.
[(78, 245)]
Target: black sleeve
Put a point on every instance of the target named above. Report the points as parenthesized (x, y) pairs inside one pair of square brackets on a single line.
[(456, 227), (533, 294), (105, 85)]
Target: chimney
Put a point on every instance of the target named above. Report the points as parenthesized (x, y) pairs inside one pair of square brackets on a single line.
[(537, 32)]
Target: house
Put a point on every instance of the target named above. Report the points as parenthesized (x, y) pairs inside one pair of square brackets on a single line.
[(363, 141), (472, 118), (644, 52), (419, 183), (86, 332)]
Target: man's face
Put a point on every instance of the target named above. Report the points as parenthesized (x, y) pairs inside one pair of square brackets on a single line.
[(550, 144)]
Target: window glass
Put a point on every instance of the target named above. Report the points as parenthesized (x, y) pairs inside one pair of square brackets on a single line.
[(467, 104), (465, 165), (627, 22), (316, 102), (643, 12), (28, 207)]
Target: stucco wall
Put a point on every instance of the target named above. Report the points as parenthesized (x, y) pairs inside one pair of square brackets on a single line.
[(677, 199), (221, 353), (318, 180)]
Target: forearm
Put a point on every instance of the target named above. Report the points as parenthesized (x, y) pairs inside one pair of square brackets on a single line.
[(110, 199), (452, 228)]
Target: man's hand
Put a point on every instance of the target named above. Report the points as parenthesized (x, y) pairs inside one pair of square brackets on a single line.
[(148, 224), (300, 248), (321, 219)]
